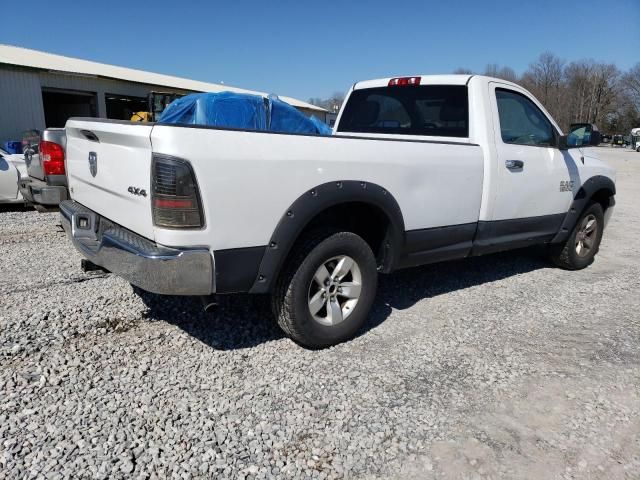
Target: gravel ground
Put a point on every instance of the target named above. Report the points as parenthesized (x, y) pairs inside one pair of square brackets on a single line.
[(492, 367)]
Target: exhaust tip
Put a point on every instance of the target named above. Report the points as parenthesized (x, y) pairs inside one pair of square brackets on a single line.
[(209, 303)]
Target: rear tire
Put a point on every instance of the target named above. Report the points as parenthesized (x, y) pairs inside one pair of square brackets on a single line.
[(327, 289), (583, 243)]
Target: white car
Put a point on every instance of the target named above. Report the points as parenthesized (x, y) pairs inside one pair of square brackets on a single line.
[(420, 169), (12, 168)]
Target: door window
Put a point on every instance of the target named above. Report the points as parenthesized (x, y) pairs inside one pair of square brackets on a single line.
[(521, 121)]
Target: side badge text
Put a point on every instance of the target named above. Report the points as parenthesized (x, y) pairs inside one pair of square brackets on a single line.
[(566, 185)]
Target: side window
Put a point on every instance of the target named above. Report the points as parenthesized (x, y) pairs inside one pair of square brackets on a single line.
[(521, 121)]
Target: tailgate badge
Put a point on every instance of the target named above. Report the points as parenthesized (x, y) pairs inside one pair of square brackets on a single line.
[(93, 163), (137, 191)]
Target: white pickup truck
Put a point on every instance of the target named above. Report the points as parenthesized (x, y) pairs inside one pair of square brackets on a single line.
[(419, 170)]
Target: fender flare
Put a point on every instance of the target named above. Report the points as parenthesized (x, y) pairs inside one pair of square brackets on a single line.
[(314, 202), (585, 193)]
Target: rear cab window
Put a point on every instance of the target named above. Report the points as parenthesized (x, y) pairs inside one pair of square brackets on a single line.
[(421, 110)]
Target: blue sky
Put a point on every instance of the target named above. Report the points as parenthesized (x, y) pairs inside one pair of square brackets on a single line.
[(304, 49)]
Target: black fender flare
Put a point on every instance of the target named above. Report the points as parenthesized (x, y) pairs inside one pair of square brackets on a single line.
[(312, 203), (585, 193)]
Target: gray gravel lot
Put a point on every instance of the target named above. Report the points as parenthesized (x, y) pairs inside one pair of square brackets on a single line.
[(492, 367)]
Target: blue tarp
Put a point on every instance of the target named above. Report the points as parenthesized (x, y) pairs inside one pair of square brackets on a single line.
[(239, 110)]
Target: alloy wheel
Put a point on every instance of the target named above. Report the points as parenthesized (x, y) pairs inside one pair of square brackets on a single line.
[(586, 235), (335, 290)]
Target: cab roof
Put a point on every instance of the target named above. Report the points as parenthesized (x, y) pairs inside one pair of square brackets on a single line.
[(424, 80), (454, 79)]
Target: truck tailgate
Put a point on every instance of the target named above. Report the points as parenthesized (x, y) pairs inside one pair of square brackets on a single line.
[(106, 158)]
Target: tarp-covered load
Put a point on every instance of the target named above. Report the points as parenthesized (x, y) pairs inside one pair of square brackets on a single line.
[(239, 110)]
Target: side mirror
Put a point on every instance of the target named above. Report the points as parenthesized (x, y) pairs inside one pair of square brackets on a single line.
[(580, 135)]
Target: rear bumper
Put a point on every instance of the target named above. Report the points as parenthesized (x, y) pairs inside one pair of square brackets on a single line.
[(152, 267), (37, 191)]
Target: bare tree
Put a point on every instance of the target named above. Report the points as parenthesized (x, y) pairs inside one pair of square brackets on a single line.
[(505, 73), (628, 115), (605, 91), (333, 103), (463, 71), (592, 92), (579, 86), (544, 79), (631, 84)]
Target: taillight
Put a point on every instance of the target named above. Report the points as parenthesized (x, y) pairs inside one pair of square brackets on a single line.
[(175, 198), (52, 158), (404, 81)]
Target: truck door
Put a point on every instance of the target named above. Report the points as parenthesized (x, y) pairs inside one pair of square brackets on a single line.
[(534, 179)]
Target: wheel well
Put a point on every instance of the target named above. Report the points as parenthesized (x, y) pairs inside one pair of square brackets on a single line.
[(364, 219), (364, 208), (602, 197), (599, 189)]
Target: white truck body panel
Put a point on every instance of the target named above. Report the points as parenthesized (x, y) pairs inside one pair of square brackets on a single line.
[(265, 184)]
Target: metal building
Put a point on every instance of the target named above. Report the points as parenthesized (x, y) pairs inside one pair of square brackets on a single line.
[(40, 90)]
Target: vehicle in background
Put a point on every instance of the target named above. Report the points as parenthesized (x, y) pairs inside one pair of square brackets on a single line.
[(419, 170), (12, 168), (44, 154), (606, 138), (635, 139), (617, 141)]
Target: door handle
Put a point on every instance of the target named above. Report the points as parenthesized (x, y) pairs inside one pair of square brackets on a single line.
[(514, 164)]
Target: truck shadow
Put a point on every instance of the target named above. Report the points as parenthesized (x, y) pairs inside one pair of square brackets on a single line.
[(14, 207), (244, 321)]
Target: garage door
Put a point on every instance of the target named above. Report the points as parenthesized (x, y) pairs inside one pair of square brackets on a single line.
[(60, 105)]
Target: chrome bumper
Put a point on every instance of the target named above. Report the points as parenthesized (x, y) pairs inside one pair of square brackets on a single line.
[(37, 191), (140, 261)]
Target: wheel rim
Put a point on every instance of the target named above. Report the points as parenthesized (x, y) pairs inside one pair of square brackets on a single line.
[(335, 290), (586, 236)]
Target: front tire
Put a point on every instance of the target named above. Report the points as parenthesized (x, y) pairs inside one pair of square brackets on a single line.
[(582, 245), (327, 289)]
